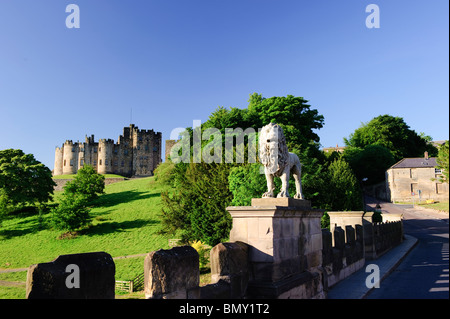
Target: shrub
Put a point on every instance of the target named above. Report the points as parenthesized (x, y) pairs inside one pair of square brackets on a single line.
[(71, 213)]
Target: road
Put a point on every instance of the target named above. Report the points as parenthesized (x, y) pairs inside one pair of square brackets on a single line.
[(424, 273)]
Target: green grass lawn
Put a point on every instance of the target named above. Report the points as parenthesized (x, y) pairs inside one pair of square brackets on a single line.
[(125, 222)]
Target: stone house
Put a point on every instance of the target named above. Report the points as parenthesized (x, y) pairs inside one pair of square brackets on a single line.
[(415, 178)]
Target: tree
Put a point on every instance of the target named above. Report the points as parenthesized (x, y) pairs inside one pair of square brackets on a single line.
[(72, 211), (194, 205), (23, 180), (392, 133), (371, 162), (87, 183), (246, 182), (442, 162), (343, 188)]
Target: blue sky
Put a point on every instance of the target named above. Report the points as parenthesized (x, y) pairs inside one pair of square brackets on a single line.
[(175, 61)]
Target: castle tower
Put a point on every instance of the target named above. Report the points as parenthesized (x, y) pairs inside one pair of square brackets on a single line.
[(58, 170), (105, 156), (70, 158)]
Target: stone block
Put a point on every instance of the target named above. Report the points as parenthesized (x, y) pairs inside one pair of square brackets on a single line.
[(282, 202), (171, 273), (229, 263), (350, 235), (76, 276), (339, 238)]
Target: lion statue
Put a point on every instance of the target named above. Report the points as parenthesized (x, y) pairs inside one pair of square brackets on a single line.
[(277, 161)]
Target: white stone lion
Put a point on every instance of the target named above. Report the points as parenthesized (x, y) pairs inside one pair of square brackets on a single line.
[(277, 161)]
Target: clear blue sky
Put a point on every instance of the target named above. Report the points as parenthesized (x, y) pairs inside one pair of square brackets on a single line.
[(175, 61)]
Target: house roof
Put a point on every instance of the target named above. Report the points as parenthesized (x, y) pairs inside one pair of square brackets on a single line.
[(417, 162)]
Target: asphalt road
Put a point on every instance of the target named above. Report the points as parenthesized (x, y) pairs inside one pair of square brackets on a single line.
[(424, 273)]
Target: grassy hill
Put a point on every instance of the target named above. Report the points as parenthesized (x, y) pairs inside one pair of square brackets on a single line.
[(125, 222)]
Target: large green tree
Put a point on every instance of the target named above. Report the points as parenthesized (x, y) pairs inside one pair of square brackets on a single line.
[(370, 162), (442, 162), (394, 134), (23, 180), (195, 203)]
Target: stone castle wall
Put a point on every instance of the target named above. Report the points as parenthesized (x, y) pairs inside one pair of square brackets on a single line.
[(137, 153)]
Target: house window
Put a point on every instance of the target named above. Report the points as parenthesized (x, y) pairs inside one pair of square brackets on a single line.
[(439, 188), (413, 173), (437, 171), (414, 188)]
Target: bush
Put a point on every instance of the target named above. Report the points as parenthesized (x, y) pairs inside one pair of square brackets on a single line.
[(87, 183), (71, 213), (245, 183)]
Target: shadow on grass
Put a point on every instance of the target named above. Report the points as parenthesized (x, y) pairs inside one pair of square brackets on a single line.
[(108, 200), (29, 225), (116, 227)]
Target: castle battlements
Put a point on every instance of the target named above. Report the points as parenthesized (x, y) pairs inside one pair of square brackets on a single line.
[(136, 153)]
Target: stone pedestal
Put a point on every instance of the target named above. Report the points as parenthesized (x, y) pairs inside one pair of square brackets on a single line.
[(285, 247)]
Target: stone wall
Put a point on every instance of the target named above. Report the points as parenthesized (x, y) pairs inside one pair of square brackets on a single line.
[(342, 253), (60, 183), (77, 276), (278, 251)]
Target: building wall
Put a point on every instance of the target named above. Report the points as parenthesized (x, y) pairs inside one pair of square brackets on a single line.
[(59, 151), (137, 153), (70, 158), (401, 182)]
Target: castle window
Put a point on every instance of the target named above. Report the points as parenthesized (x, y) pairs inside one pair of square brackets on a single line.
[(73, 149), (122, 164), (95, 150), (125, 152), (155, 149), (82, 149), (81, 162), (71, 162), (95, 163), (116, 163), (140, 138), (100, 162), (106, 162), (99, 149), (146, 148), (139, 147), (64, 162)]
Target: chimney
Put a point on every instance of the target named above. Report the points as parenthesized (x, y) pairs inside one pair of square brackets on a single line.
[(426, 155)]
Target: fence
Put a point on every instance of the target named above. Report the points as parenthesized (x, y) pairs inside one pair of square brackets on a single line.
[(130, 286)]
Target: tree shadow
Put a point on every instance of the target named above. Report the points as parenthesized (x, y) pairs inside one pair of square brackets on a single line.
[(24, 227), (108, 200), (116, 227)]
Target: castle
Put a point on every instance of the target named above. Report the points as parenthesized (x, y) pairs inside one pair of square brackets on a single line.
[(136, 153)]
